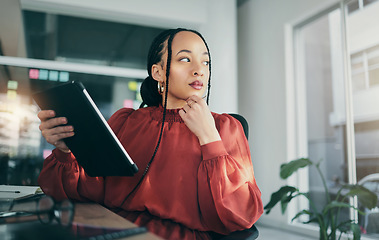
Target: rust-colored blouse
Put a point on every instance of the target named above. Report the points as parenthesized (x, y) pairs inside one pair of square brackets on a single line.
[(189, 189)]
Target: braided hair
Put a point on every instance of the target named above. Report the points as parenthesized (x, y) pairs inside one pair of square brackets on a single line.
[(149, 87)]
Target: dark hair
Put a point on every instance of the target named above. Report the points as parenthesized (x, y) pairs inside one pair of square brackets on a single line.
[(149, 87)]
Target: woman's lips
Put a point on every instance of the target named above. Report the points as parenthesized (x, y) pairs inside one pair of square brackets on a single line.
[(197, 85)]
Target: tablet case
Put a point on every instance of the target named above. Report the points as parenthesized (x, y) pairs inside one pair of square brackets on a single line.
[(95, 146)]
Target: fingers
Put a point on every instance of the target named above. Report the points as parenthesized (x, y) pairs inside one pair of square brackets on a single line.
[(182, 113), (198, 118), (195, 99), (46, 114), (55, 135), (52, 129), (52, 135), (49, 123), (194, 103)]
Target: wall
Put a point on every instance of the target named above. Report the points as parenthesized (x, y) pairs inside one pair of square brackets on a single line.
[(363, 38), (262, 86), (11, 36), (215, 19), (369, 35)]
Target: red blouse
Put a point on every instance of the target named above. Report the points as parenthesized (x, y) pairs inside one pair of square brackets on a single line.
[(188, 190)]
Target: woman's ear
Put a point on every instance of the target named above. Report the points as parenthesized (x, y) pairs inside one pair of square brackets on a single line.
[(157, 72)]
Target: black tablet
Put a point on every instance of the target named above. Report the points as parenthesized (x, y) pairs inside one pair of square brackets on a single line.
[(95, 146)]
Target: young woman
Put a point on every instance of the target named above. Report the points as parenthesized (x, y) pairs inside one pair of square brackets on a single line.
[(196, 176)]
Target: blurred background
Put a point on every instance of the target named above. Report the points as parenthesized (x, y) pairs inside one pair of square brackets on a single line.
[(305, 74)]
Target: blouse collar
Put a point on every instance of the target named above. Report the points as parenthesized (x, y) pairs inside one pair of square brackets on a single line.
[(172, 115)]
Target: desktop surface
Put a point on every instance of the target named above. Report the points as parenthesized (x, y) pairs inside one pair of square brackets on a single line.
[(90, 220)]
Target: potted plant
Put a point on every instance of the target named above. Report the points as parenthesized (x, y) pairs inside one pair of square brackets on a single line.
[(327, 218)]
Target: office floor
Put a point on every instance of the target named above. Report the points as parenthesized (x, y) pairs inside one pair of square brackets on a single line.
[(266, 233)]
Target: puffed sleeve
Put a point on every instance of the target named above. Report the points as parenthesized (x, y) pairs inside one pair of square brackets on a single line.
[(229, 197), (62, 177)]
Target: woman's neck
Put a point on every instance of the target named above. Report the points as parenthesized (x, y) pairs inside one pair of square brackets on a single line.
[(174, 104)]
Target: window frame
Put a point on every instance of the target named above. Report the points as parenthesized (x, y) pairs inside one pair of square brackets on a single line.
[(296, 105)]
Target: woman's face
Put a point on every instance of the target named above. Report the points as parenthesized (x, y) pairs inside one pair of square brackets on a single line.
[(189, 71)]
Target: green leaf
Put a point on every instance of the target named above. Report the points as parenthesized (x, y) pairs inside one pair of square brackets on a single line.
[(277, 196), (350, 226), (313, 220), (287, 169), (335, 204), (345, 226), (302, 213), (356, 231), (365, 197), (284, 202)]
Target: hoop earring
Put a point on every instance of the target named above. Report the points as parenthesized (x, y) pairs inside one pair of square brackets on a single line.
[(160, 88)]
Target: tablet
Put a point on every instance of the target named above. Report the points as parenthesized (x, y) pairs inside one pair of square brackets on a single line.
[(95, 146)]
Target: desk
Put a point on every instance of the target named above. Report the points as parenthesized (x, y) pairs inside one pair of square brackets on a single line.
[(95, 214), (85, 213)]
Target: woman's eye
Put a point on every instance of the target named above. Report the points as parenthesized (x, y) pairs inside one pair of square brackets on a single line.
[(206, 63), (184, 60)]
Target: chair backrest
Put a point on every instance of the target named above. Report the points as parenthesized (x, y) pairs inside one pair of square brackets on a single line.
[(243, 122)]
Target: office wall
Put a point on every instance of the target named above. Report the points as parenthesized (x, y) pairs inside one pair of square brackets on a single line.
[(11, 36), (215, 19), (262, 86)]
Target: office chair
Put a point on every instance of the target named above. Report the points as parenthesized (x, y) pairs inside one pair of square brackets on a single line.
[(243, 122), (251, 233)]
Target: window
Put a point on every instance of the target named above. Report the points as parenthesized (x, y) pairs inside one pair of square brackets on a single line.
[(358, 5), (335, 104), (365, 69)]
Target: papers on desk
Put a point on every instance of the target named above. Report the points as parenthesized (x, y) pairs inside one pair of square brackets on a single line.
[(10, 192)]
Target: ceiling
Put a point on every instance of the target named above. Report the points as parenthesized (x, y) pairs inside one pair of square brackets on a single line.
[(39, 35), (67, 38)]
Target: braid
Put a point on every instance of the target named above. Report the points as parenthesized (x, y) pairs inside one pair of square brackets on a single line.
[(149, 86), (210, 72), (158, 45), (169, 54)]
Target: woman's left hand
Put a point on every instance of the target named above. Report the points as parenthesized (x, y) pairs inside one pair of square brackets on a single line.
[(198, 118)]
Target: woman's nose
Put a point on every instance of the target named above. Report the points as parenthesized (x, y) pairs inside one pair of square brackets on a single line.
[(198, 70)]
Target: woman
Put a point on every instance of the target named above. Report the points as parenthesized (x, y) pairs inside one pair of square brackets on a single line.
[(196, 177)]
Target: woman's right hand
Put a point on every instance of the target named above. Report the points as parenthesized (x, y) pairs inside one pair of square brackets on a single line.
[(52, 130)]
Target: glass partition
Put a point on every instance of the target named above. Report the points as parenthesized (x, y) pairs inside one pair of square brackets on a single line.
[(39, 50), (337, 66), (320, 66), (22, 148)]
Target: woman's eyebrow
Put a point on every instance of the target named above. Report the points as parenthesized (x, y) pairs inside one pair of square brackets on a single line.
[(188, 51), (184, 50)]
